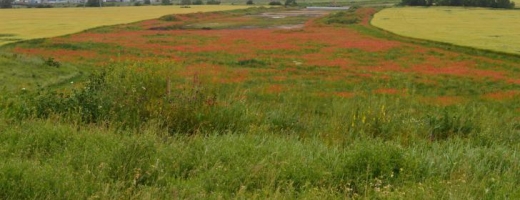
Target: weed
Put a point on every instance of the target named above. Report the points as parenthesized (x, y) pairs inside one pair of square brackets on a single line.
[(52, 63), (449, 125), (169, 18)]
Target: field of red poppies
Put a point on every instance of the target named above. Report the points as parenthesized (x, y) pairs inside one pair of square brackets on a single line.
[(337, 59), (357, 112)]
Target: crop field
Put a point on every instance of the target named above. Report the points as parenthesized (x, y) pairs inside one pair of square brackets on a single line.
[(495, 30), (23, 24), (261, 103)]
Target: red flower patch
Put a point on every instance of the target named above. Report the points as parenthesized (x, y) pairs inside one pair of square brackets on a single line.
[(502, 95)]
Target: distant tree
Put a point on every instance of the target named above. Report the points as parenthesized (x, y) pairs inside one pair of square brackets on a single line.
[(213, 2), (275, 3), (6, 3), (147, 2), (166, 2), (93, 3), (471, 3), (290, 3), (249, 2), (185, 2)]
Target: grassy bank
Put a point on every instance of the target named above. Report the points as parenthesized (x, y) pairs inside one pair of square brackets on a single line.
[(231, 105), (42, 159)]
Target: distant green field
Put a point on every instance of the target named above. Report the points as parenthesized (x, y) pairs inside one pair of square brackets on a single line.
[(23, 24), (496, 30)]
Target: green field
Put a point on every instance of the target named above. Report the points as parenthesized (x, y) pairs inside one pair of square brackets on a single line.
[(23, 24), (495, 30), (262, 103)]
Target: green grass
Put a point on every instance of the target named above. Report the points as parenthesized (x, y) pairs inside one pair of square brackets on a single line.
[(42, 159), (19, 72)]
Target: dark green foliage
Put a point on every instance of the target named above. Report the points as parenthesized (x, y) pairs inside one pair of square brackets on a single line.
[(169, 18), (471, 3), (197, 2), (448, 125), (185, 2), (166, 2), (275, 3), (249, 2), (252, 63), (125, 99), (416, 2), (52, 63), (6, 3), (147, 2), (342, 17), (94, 3), (213, 2), (290, 3), (40, 6)]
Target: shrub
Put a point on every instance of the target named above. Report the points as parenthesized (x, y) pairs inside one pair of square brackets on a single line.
[(290, 3), (169, 18), (275, 3), (127, 98), (448, 125), (197, 2), (52, 63), (249, 2), (44, 6), (342, 17), (213, 2), (166, 2), (6, 3), (93, 3), (185, 2)]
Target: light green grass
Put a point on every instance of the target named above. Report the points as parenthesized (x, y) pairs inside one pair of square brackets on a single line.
[(45, 160), (23, 24), (20, 72), (491, 29)]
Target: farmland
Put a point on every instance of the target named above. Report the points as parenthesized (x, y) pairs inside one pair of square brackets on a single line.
[(262, 103), (23, 24), (494, 30)]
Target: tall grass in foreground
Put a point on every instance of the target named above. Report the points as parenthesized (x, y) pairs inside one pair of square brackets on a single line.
[(48, 160), (138, 131)]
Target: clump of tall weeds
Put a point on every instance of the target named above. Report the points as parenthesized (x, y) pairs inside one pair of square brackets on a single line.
[(125, 97)]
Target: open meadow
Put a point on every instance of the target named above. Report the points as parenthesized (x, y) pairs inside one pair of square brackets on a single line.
[(261, 103), (491, 29), (23, 24)]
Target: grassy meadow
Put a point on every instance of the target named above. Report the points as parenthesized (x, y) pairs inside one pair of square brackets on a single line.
[(262, 103), (23, 24), (490, 29)]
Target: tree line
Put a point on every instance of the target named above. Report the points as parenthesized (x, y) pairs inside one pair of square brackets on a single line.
[(469, 3)]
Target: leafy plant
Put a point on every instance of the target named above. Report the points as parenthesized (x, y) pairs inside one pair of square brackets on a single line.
[(449, 125), (169, 18), (213, 2), (341, 17), (51, 62)]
